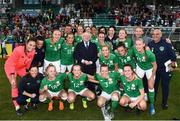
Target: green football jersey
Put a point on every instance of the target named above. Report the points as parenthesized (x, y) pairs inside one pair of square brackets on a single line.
[(110, 61), (67, 54), (99, 47), (128, 42), (132, 88), (54, 85), (52, 52), (78, 39), (110, 84), (126, 59), (77, 85), (144, 60), (94, 39)]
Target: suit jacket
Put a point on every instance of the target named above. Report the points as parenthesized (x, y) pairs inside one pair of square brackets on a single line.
[(90, 54)]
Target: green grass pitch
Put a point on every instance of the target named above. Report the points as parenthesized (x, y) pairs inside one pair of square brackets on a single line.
[(7, 111)]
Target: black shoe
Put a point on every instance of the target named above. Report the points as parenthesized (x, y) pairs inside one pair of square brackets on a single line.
[(34, 106), (175, 119), (26, 108), (164, 106), (127, 109), (19, 112)]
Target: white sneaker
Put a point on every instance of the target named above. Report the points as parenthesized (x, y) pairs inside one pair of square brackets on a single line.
[(107, 118), (111, 116), (105, 114)]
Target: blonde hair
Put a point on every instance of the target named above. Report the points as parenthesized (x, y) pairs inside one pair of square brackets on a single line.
[(50, 65)]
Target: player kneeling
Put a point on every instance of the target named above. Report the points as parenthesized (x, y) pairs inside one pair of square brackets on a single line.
[(133, 89), (52, 87)]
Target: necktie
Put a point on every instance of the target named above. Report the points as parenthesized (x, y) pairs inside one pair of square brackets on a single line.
[(87, 45)]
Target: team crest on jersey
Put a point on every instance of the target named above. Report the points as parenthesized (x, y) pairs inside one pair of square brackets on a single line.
[(111, 62), (55, 49), (128, 58), (161, 48), (59, 46), (126, 44), (143, 58), (57, 83), (133, 87), (110, 80), (81, 82)]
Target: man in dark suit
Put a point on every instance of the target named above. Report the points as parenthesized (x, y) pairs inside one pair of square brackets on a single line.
[(85, 55)]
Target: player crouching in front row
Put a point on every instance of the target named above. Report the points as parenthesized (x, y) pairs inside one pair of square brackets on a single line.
[(133, 89), (52, 86), (77, 81)]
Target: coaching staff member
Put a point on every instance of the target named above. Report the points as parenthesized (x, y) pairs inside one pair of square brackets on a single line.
[(163, 52)]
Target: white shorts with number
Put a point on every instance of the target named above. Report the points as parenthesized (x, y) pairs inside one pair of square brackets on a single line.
[(132, 99), (54, 94), (78, 93), (55, 63), (108, 96), (140, 72), (63, 68)]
